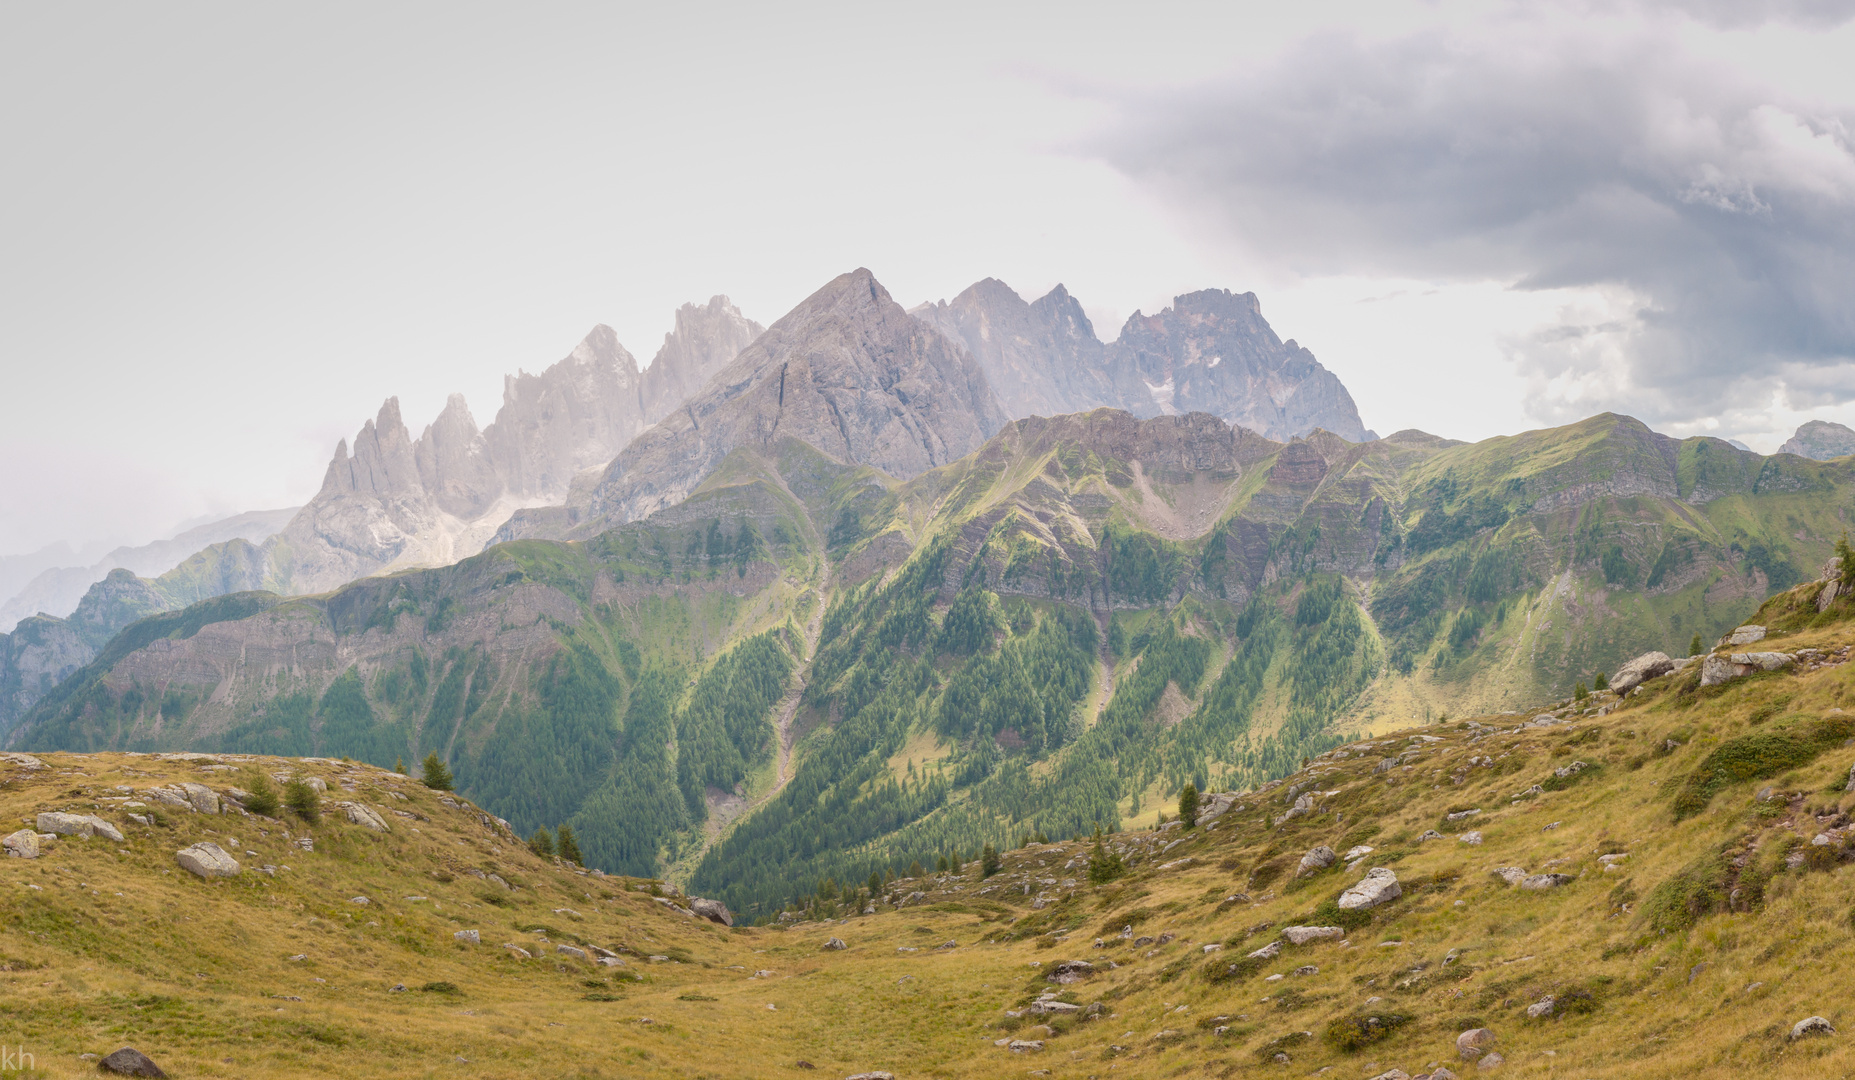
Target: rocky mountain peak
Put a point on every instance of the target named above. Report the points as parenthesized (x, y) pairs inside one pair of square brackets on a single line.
[(705, 339), (1820, 440)]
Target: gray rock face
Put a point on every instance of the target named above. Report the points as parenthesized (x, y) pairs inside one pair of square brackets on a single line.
[(1820, 440), (1719, 668), (23, 844), (847, 371), (1379, 887), (78, 825), (1316, 860), (1647, 666), (1211, 351), (706, 338), (206, 860), (713, 910)]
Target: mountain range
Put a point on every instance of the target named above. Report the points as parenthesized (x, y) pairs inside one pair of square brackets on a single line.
[(840, 603)]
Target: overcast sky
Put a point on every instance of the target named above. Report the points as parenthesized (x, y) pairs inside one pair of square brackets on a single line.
[(227, 232)]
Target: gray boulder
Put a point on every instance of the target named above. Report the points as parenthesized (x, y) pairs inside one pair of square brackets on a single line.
[(1638, 671), (1812, 1025), (23, 844), (835, 944), (1070, 971), (1542, 882), (1744, 635), (1267, 952), (576, 953), (1474, 1042), (130, 1062), (714, 910), (207, 861), (1380, 886), (1301, 935), (363, 816), (879, 1075), (468, 937), (78, 825), (201, 798), (1315, 861), (1724, 667), (1543, 1008)]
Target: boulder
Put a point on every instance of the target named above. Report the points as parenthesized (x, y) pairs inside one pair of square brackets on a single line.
[(1442, 1073), (1724, 667), (1429, 834), (870, 1075), (363, 816), (1744, 635), (1543, 1008), (1307, 969), (1380, 886), (130, 1062), (1360, 851), (1316, 860), (23, 844), (576, 953), (171, 797), (1474, 1042), (1645, 667), (1471, 837), (834, 944), (1812, 1025), (206, 860), (1492, 1060), (1070, 971), (1542, 882), (78, 825), (1393, 1074), (1024, 1046), (201, 798), (468, 937), (717, 912), (1301, 935), (1053, 1008), (1461, 814)]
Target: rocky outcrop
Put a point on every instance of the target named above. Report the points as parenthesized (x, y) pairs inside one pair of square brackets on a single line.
[(1380, 886), (847, 372), (1724, 667), (1647, 666), (78, 825), (713, 910), (1820, 440), (1211, 351), (206, 860)]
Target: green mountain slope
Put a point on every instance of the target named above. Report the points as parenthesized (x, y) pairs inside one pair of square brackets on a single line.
[(809, 670)]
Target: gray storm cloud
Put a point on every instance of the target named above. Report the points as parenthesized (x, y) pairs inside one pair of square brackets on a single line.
[(1717, 216)]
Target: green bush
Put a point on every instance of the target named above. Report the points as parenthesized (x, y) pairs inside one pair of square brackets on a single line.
[(263, 799), (1790, 742), (437, 773), (1330, 913), (1353, 1033), (1698, 889)]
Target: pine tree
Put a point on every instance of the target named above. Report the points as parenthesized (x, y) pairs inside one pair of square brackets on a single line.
[(1694, 646), (399, 765), (1602, 682), (304, 801), (1104, 865), (914, 869), (1579, 693), (1188, 806), (940, 865), (875, 884), (569, 845), (542, 842), (263, 800), (437, 774), (988, 861)]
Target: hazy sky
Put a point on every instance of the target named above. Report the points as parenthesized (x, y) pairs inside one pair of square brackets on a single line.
[(228, 231)]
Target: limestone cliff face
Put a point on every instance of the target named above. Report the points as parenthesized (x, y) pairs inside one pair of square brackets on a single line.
[(705, 340), (1820, 440), (847, 371), (1211, 351), (394, 501)]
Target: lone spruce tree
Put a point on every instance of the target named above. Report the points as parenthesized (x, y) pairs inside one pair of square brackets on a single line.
[(437, 773), (569, 845), (542, 842), (1188, 806), (988, 861), (1104, 865)]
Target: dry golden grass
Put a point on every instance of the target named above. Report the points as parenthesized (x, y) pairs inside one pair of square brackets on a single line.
[(117, 945)]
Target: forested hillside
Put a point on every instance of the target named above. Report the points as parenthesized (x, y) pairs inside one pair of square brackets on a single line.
[(809, 671)]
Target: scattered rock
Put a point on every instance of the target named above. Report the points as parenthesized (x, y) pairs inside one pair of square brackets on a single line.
[(717, 912), (1361, 851), (1812, 1025), (396, 988), (1379, 886), (130, 1062), (78, 825), (23, 844), (1541, 882), (834, 944), (468, 937), (361, 900), (576, 953), (1492, 1060), (201, 798), (1267, 952), (1023, 1046), (363, 816), (1460, 814), (1645, 667), (1543, 1008), (1429, 834), (1393, 1074), (1474, 1042), (1316, 860), (206, 860), (1571, 770), (1301, 935), (1307, 969), (1471, 837), (1070, 971), (1721, 668), (1744, 635)]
